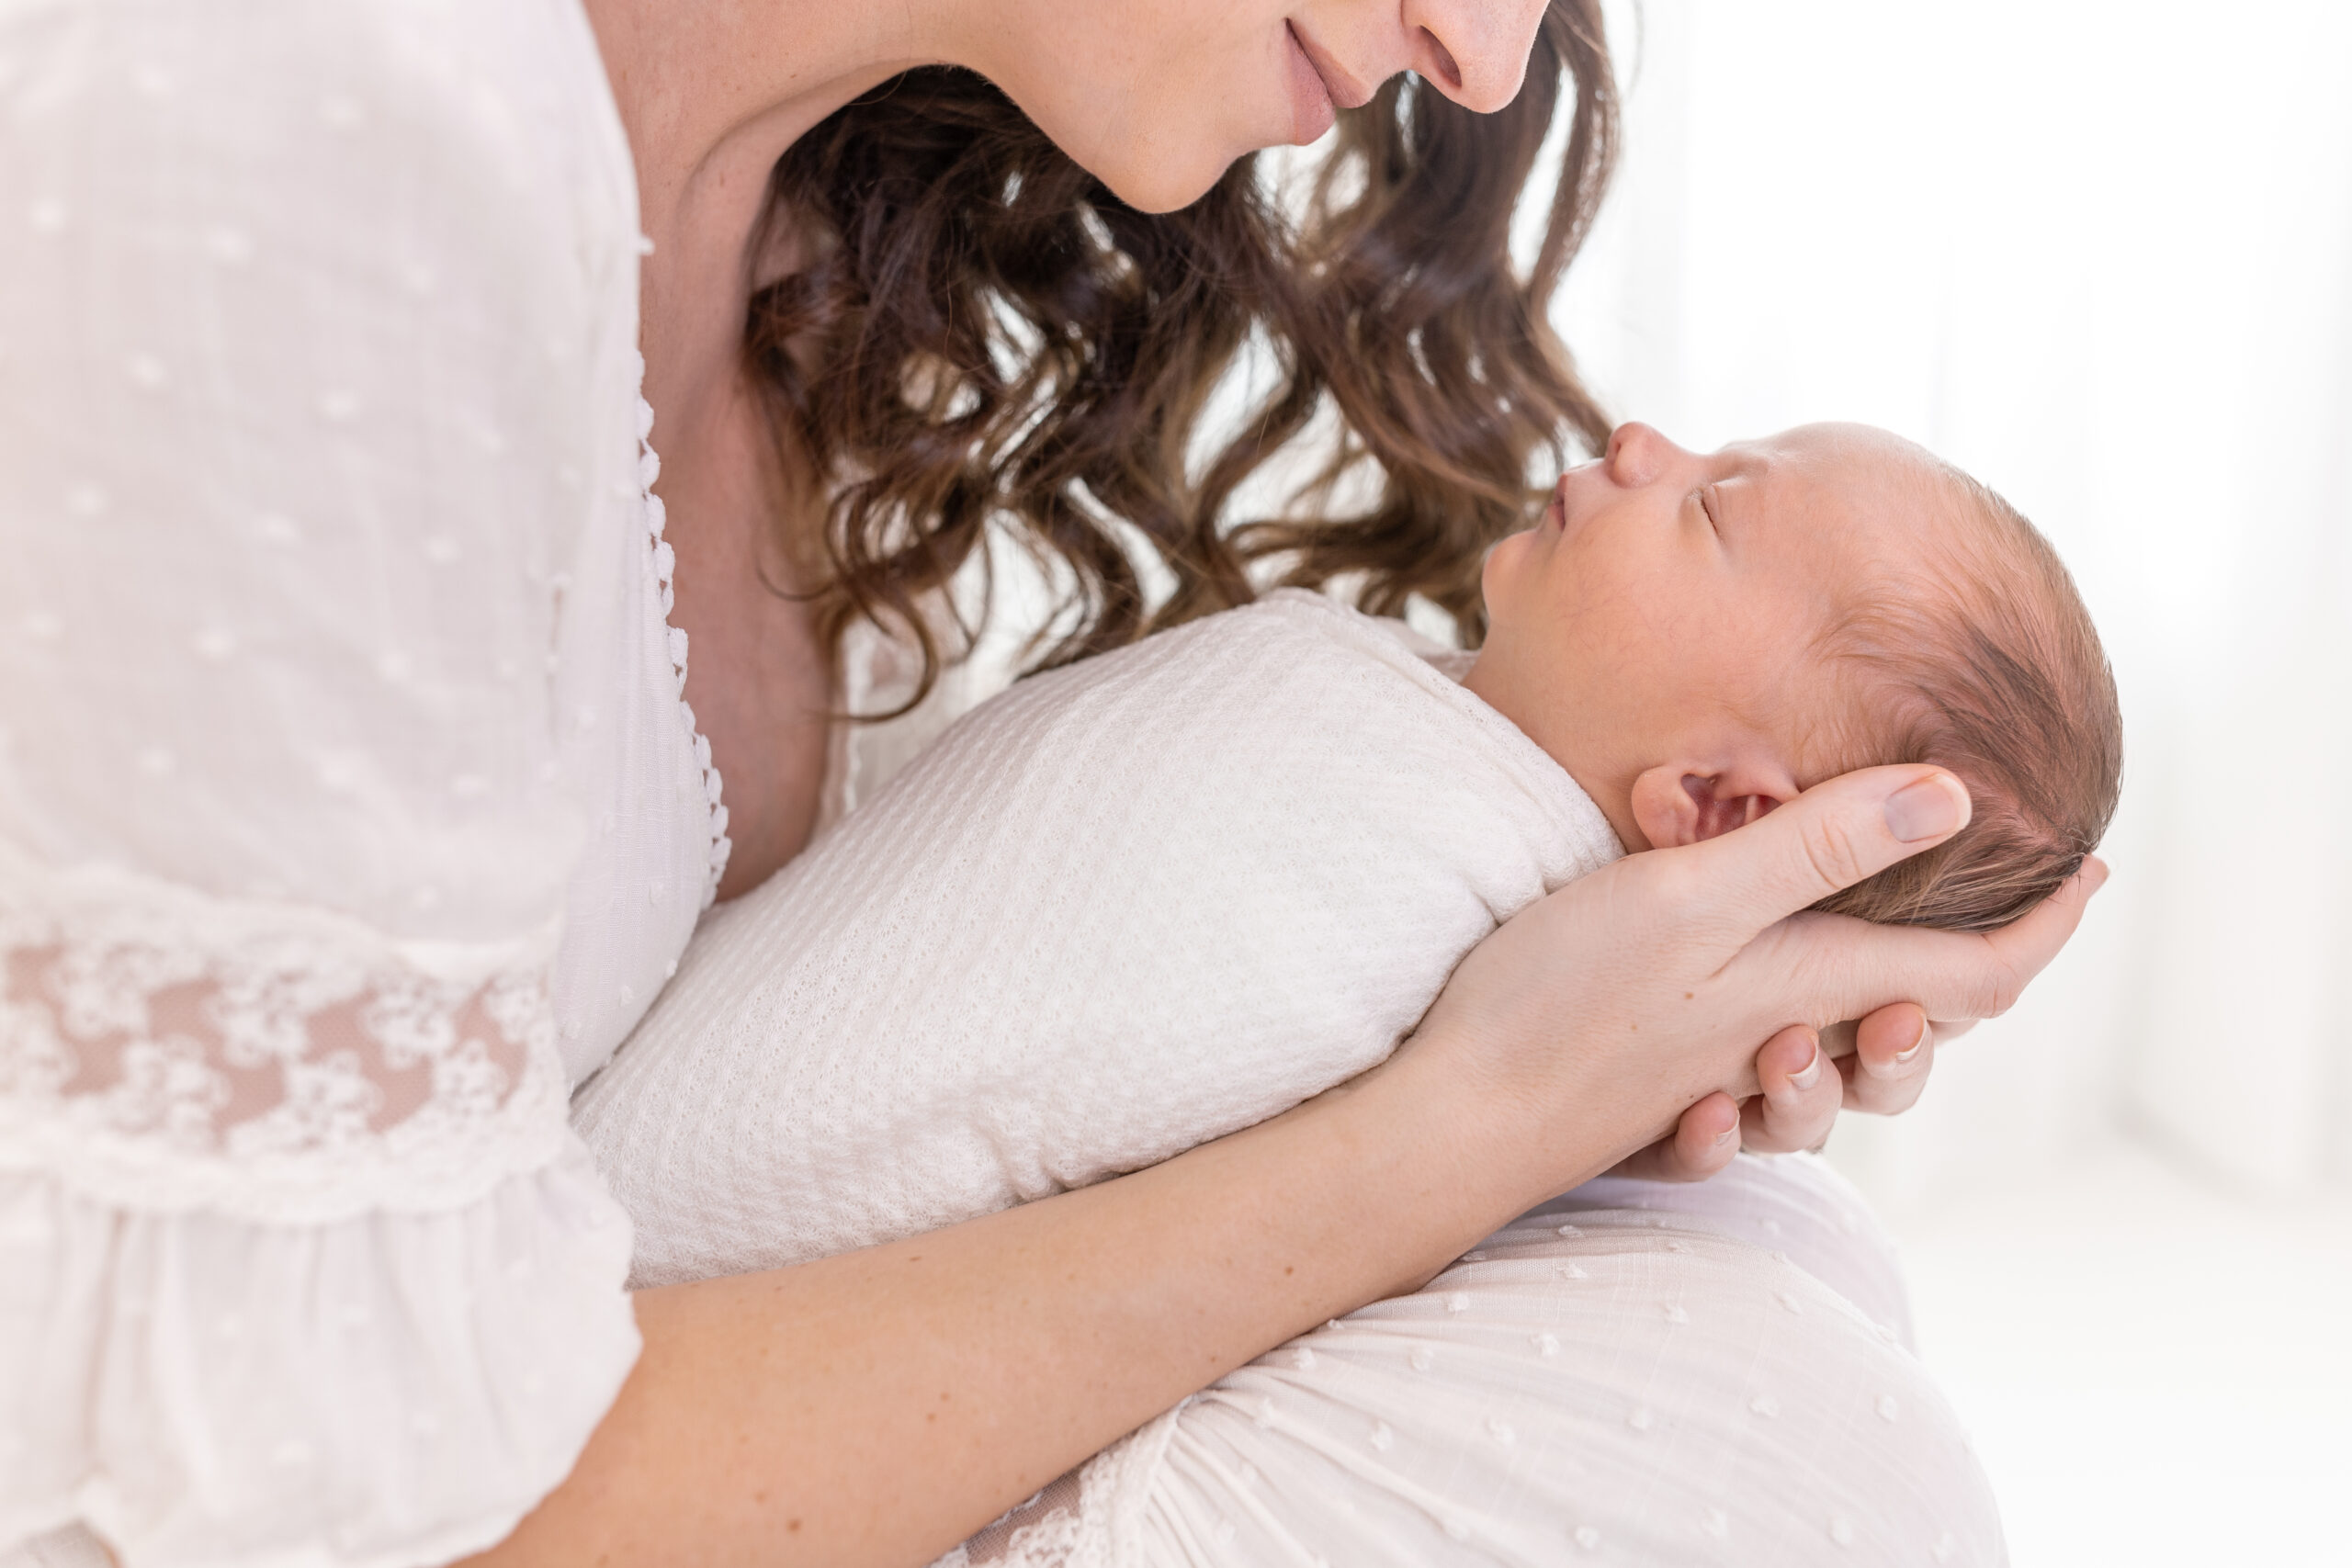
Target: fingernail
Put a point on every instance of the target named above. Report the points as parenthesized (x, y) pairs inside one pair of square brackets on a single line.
[(1726, 1136), (1811, 1073), (1923, 810), (1927, 1032)]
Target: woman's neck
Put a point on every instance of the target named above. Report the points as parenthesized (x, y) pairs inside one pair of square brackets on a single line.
[(712, 92)]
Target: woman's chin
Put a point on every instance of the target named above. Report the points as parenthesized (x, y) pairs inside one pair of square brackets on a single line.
[(1162, 187), (1172, 166)]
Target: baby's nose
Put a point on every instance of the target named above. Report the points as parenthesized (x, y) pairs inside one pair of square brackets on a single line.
[(1638, 454)]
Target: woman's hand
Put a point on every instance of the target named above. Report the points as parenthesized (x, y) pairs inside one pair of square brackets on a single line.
[(1718, 932), (1805, 1079)]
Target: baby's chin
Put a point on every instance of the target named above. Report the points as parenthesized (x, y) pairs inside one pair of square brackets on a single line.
[(1510, 557)]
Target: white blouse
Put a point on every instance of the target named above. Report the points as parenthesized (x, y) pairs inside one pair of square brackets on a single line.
[(350, 811)]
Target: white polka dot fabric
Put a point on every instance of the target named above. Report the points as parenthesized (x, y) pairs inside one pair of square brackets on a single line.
[(349, 807), (1598, 1383)]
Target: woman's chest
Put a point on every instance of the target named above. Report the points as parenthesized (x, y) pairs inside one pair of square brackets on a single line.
[(761, 687)]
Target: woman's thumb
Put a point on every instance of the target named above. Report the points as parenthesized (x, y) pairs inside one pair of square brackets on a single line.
[(1834, 835)]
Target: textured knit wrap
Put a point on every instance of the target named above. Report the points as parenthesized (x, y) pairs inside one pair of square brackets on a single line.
[(1123, 910)]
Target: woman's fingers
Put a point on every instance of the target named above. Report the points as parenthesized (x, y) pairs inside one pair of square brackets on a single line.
[(1857, 968), (1704, 1142), (2028, 944), (1824, 841), (1796, 1108), (1895, 1045), (1895, 1049), (1802, 1090)]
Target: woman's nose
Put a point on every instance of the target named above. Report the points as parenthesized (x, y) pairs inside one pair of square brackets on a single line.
[(1475, 52), (1638, 455)]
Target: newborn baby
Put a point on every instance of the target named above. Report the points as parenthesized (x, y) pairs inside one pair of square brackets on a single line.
[(1139, 903), (1697, 639)]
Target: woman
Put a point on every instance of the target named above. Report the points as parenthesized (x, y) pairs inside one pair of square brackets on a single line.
[(348, 811)]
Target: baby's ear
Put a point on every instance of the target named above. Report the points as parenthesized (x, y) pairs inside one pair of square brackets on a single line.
[(1674, 807)]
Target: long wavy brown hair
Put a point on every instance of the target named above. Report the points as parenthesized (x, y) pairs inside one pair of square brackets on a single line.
[(975, 330)]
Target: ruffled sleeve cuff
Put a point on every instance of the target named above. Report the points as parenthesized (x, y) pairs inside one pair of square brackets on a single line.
[(383, 1390), (300, 1263)]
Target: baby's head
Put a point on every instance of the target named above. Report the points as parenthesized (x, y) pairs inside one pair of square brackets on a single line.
[(1698, 639)]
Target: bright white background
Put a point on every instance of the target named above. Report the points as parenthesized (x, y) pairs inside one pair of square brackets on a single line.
[(2099, 255)]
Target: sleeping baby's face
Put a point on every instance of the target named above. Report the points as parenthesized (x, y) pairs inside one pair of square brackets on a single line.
[(1660, 632)]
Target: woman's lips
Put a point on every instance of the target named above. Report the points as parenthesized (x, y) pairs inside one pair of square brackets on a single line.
[(1312, 111), (1342, 88), (1320, 87)]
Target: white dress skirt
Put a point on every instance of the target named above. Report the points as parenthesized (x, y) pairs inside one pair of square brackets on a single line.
[(1634, 1373)]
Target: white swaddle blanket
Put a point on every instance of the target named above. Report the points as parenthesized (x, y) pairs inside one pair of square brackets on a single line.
[(1123, 910)]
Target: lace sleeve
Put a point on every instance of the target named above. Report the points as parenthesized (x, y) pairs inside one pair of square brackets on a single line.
[(166, 1053), (301, 389)]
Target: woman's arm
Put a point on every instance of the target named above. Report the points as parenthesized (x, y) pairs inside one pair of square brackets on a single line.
[(877, 1407)]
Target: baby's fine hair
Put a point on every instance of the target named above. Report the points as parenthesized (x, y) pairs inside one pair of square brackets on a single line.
[(1994, 670)]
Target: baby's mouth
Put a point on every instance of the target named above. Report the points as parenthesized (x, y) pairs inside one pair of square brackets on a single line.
[(1555, 513)]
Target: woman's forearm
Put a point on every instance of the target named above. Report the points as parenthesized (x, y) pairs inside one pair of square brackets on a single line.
[(877, 1407)]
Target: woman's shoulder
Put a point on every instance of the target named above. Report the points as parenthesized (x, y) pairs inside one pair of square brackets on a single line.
[(322, 348), (499, 110), (157, 48)]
